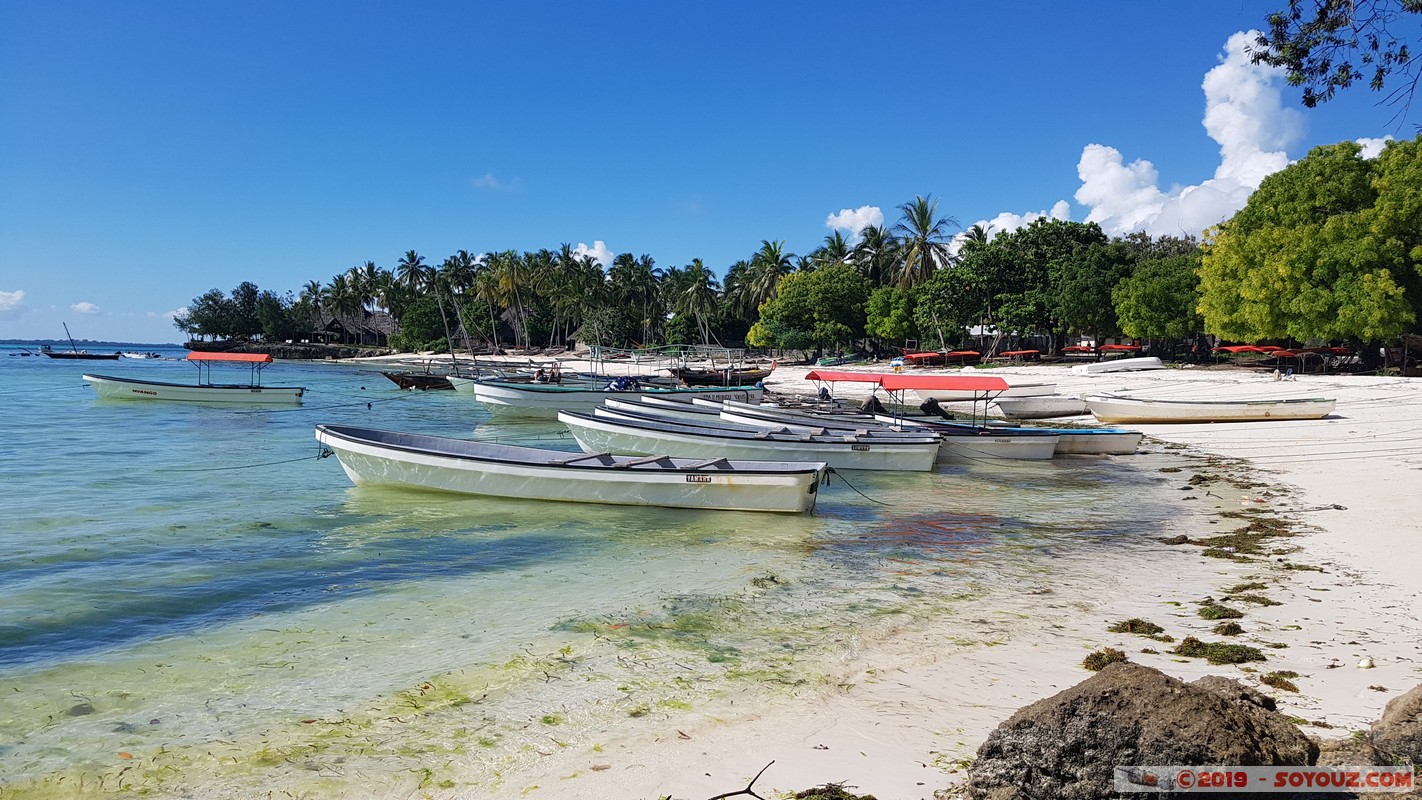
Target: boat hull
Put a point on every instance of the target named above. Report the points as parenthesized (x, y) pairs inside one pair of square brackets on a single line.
[(447, 465), (1119, 365), (110, 388), (595, 434), (543, 401), (1041, 407), (1138, 411)]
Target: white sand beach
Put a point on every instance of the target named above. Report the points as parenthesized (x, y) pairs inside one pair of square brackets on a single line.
[(901, 718)]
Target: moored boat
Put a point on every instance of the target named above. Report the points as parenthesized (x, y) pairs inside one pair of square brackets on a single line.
[(424, 381), (110, 387), (1040, 406), (375, 457), (1117, 408), (509, 399), (719, 377), (597, 432)]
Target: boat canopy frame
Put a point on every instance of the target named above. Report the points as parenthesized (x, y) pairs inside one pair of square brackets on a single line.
[(204, 361), (985, 388)]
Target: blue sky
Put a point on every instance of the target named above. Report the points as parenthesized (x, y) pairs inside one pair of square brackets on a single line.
[(150, 151)]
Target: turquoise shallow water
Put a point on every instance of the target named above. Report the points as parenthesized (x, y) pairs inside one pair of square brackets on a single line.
[(191, 601)]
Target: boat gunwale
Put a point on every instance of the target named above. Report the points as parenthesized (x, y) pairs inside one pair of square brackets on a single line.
[(240, 386), (734, 466), (767, 437)]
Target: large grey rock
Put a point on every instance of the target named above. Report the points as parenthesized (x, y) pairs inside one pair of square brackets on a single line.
[(1398, 735), (1066, 746)]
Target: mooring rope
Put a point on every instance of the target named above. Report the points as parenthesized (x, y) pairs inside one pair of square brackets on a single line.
[(321, 452), (832, 471)]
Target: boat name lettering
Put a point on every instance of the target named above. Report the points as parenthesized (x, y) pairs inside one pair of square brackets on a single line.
[(144, 391), (859, 447), (698, 478)]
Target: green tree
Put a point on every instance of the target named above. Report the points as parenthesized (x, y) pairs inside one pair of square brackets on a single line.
[(1158, 301), (818, 309), (889, 315), (1328, 248), (1085, 279)]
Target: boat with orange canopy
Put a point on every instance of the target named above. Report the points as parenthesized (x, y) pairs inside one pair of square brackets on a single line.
[(110, 387)]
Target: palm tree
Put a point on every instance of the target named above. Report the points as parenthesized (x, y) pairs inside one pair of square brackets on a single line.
[(342, 301), (768, 266), (875, 254), (925, 240), (697, 296), (417, 276)]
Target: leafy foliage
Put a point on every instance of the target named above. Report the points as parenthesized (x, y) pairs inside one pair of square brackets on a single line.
[(1327, 45), (1328, 248)]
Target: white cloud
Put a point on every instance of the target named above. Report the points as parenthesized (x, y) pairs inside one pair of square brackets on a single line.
[(598, 251), (10, 301), (855, 220), (1008, 221), (84, 308), (168, 315), (1372, 147), (488, 181), (1244, 113)]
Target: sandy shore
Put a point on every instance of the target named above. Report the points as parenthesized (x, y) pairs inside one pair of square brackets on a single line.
[(909, 713)]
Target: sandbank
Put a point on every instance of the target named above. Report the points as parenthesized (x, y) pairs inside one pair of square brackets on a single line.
[(906, 715)]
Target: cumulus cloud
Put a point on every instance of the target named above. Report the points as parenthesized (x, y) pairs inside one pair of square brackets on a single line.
[(1244, 113), (1008, 221), (855, 220), (1372, 147), (84, 308), (598, 251), (10, 301), (168, 315)]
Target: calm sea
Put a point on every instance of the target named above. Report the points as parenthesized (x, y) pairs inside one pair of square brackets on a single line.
[(192, 601)]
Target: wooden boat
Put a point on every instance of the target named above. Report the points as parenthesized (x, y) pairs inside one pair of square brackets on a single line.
[(1118, 365), (74, 352), (719, 377), (1040, 406), (598, 432), (511, 399), (375, 457), (424, 381), (77, 354), (204, 390), (1115, 408)]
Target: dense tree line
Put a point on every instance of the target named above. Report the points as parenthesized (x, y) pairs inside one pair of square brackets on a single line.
[(1327, 249)]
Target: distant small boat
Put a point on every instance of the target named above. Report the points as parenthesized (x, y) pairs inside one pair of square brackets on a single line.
[(423, 381), (483, 468), (77, 354), (74, 351), (1116, 408), (1118, 365), (128, 354), (110, 387)]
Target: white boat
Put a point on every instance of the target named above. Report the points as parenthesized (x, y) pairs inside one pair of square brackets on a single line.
[(110, 387), (1040, 407), (1118, 365), (962, 441), (598, 432), (374, 457), (1014, 389), (544, 401), (1070, 441), (1115, 408)]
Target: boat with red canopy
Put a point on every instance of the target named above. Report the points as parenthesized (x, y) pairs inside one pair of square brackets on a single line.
[(110, 387)]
